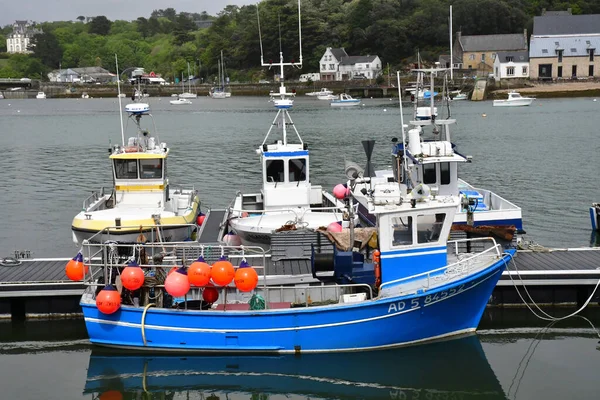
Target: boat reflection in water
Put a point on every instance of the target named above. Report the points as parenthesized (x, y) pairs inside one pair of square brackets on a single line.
[(456, 369)]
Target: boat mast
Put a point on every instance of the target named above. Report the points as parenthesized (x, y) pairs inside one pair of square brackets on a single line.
[(284, 102), (120, 104), (451, 58)]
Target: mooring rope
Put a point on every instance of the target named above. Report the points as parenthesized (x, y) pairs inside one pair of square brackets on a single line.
[(545, 316), (144, 322)]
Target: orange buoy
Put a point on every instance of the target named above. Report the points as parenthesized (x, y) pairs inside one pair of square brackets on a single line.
[(75, 269), (108, 300), (177, 284), (246, 277), (111, 395), (132, 276), (199, 272), (210, 294), (222, 272)]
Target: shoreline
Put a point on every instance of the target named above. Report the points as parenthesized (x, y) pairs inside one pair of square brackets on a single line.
[(552, 90)]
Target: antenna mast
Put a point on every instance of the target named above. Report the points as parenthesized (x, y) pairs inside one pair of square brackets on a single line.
[(119, 96)]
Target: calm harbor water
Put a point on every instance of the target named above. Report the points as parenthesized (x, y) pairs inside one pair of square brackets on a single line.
[(512, 357), (55, 153)]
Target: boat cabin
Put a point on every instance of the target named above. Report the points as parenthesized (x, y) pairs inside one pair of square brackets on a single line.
[(431, 162), (413, 235), (140, 168), (286, 180)]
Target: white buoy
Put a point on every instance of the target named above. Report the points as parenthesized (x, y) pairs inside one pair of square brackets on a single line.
[(385, 110), (594, 100), (484, 115), (18, 111)]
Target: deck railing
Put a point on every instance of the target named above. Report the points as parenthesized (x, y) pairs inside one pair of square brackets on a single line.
[(462, 267), (94, 197)]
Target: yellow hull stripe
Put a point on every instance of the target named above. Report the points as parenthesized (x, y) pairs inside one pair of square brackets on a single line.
[(138, 188), (134, 224), (137, 156)]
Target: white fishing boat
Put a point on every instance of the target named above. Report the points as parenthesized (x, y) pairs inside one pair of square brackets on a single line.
[(514, 100), (288, 200), (322, 92), (427, 157), (40, 95), (142, 200), (180, 101), (345, 100)]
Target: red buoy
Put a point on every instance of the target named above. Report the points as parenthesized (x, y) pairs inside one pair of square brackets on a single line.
[(200, 219), (132, 276), (108, 300), (75, 269), (199, 272), (222, 272), (210, 294), (246, 277), (177, 284), (111, 395)]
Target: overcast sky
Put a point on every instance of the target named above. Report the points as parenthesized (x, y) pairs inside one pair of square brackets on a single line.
[(66, 10)]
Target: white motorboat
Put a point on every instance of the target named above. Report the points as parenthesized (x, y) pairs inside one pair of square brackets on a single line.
[(322, 92), (142, 202), (180, 101), (84, 95), (288, 200), (121, 95), (345, 100), (40, 95), (514, 100), (327, 97), (428, 157), (458, 95)]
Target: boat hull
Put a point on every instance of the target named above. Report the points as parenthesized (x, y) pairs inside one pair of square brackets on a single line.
[(345, 103), (513, 103), (168, 234), (451, 309)]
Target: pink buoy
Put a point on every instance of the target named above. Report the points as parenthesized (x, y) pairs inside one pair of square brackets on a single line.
[(177, 284), (334, 227), (231, 239), (341, 191)]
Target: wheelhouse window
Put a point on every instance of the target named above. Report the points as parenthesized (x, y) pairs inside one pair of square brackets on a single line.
[(151, 168), (429, 227), (126, 169), (401, 231), (445, 173), (275, 172), (297, 170), (429, 173)]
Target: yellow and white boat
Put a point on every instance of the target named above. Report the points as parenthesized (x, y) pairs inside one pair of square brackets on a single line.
[(141, 201)]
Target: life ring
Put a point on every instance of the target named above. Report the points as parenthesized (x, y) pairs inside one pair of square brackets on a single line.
[(10, 262), (377, 267), (131, 149)]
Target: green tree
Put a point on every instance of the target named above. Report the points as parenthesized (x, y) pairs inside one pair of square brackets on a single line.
[(100, 25), (46, 48)]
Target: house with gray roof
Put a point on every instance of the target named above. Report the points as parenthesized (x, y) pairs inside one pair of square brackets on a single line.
[(565, 46), (478, 52), (337, 65), (511, 65), (19, 41)]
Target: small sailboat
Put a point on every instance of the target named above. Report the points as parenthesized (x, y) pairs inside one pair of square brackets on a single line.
[(142, 200), (219, 92), (345, 100), (188, 94)]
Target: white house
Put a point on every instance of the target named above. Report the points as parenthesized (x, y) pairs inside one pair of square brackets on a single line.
[(511, 64), (20, 38), (337, 65)]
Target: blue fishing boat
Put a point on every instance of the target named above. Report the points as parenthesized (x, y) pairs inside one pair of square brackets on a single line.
[(448, 369), (404, 283)]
